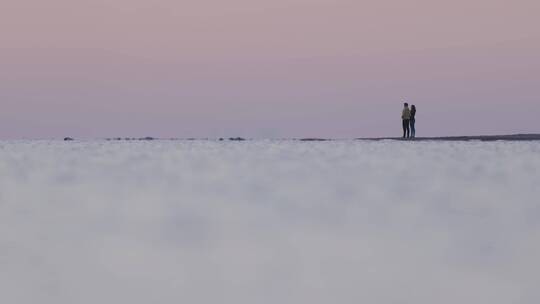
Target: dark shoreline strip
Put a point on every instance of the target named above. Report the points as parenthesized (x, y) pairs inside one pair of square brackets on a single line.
[(515, 137)]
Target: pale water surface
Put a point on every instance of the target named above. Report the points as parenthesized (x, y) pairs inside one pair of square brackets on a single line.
[(269, 222)]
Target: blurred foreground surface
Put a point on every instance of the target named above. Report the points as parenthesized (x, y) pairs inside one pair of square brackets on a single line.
[(269, 222)]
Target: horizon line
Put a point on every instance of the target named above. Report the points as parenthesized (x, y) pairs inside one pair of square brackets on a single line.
[(502, 137)]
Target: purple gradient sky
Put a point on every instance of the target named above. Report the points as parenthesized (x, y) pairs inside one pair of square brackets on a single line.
[(254, 68)]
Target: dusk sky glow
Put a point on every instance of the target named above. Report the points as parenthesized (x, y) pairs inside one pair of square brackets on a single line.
[(267, 69)]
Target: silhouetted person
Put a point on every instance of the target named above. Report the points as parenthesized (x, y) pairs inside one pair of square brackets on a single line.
[(406, 117), (413, 121)]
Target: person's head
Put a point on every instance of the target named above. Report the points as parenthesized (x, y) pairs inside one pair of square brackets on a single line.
[(405, 105), (413, 107)]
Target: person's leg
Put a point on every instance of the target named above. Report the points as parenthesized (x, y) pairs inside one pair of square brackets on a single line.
[(405, 128), (413, 130), (408, 129)]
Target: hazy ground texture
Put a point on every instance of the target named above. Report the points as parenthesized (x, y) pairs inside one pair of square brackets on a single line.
[(269, 222)]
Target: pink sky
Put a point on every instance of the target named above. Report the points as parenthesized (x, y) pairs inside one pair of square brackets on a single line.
[(254, 68)]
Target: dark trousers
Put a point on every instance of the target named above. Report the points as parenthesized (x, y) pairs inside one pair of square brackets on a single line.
[(413, 130), (406, 129)]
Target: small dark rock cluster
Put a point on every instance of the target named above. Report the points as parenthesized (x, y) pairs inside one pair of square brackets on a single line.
[(131, 138), (68, 139), (237, 138)]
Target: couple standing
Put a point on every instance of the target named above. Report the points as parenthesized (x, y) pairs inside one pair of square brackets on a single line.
[(408, 118)]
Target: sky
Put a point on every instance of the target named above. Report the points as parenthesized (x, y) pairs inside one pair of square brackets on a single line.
[(267, 69)]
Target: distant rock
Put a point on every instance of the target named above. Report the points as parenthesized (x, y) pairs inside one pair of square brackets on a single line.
[(237, 138), (314, 139), (68, 139), (221, 139), (147, 138)]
